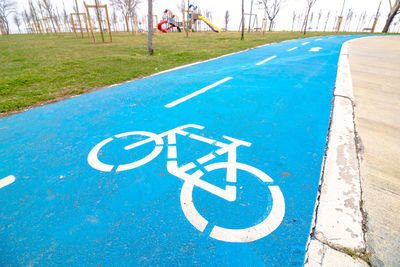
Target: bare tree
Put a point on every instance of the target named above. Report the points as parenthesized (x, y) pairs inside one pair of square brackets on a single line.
[(394, 10), (181, 6), (6, 8), (150, 27), (41, 8), (361, 21), (65, 18), (242, 34), (319, 19), (114, 20), (300, 19), (48, 7), (311, 19), (327, 19), (34, 15), (99, 20), (272, 8), (17, 21), (76, 9), (293, 19), (127, 8), (310, 4), (226, 20), (349, 17), (27, 19)]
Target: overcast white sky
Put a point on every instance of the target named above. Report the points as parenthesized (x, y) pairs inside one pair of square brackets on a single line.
[(283, 21)]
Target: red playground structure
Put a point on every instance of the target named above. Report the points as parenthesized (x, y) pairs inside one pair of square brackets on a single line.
[(168, 22)]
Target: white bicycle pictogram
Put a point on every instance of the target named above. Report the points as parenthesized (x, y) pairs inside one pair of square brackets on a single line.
[(258, 231)]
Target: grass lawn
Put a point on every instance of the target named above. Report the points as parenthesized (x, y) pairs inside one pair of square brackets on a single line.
[(39, 68)]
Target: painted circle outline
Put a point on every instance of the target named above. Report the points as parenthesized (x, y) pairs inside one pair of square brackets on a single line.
[(95, 163), (245, 235)]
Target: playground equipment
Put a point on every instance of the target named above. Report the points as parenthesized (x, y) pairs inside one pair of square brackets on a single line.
[(193, 17), (253, 23), (168, 22)]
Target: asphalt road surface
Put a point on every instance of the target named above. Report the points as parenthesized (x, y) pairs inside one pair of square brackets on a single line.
[(216, 163)]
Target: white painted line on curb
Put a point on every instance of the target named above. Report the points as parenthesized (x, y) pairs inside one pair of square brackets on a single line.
[(305, 43), (294, 48), (315, 49), (265, 60), (6, 181), (183, 99)]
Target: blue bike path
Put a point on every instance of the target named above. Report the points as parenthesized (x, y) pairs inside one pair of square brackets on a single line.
[(59, 210)]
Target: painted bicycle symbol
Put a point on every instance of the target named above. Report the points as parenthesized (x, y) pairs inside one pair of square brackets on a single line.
[(258, 231)]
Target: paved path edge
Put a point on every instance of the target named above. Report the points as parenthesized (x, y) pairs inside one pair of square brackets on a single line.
[(338, 228)]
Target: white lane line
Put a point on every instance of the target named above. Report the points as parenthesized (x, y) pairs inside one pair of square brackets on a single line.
[(315, 49), (305, 43), (265, 60), (6, 181), (294, 48), (183, 99), (319, 39)]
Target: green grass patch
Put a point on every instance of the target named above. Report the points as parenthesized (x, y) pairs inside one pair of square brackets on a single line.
[(38, 68)]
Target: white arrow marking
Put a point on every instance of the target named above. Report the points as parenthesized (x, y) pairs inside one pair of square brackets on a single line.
[(6, 181), (315, 49)]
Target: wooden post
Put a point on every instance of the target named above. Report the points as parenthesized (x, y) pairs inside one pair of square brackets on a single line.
[(58, 26), (97, 6), (108, 22), (183, 21), (127, 23), (374, 25), (86, 24), (136, 25), (43, 28), (90, 23), (339, 23), (73, 26)]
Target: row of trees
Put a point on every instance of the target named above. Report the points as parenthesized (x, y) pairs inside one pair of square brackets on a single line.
[(273, 7), (41, 9)]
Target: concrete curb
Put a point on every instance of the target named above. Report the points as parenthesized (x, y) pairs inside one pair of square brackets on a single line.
[(338, 225)]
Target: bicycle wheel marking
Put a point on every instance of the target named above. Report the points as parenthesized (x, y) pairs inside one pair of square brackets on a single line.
[(264, 228), (94, 161), (258, 231), (252, 233)]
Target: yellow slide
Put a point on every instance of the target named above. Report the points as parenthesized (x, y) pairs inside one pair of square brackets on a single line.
[(212, 26)]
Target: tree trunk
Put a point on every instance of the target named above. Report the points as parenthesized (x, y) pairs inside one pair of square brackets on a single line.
[(188, 19), (251, 11), (79, 17), (271, 25), (392, 14), (306, 22), (242, 37), (150, 27)]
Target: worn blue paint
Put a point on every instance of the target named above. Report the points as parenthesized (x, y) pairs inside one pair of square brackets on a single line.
[(60, 211)]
